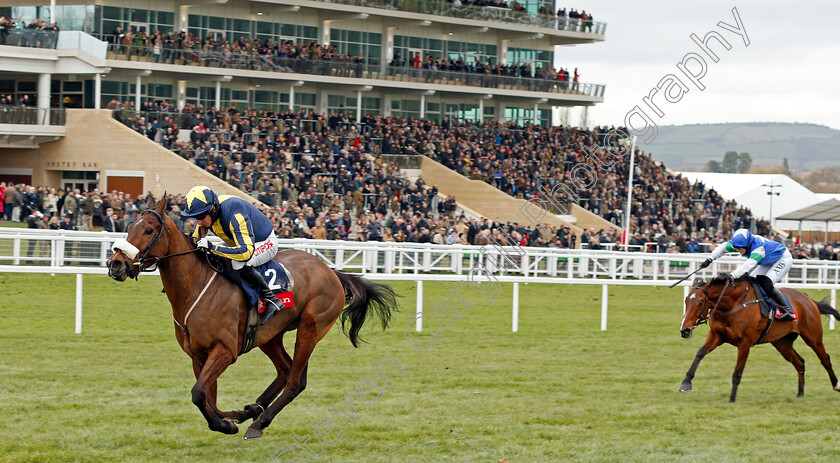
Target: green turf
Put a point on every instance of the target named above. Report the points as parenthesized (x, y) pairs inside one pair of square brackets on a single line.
[(559, 390)]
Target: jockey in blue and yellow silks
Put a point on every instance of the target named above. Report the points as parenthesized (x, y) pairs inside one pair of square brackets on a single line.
[(247, 232), (767, 261)]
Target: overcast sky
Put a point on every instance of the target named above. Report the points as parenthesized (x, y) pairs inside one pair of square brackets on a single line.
[(790, 72)]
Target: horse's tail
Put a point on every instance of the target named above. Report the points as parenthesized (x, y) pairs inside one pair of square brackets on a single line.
[(826, 308), (363, 295)]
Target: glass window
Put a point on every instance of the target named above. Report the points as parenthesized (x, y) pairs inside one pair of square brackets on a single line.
[(214, 22), (72, 86), (167, 18), (310, 32), (194, 20), (242, 25), (111, 12), (305, 99), (239, 95), (140, 16)]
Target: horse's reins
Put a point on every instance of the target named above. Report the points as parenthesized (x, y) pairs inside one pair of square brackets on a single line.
[(707, 314), (744, 304), (143, 259), (156, 260)]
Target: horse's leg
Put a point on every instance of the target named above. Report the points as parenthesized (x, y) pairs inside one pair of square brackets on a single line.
[(743, 353), (785, 347), (307, 337), (712, 341), (218, 360), (235, 416), (283, 364), (825, 359)]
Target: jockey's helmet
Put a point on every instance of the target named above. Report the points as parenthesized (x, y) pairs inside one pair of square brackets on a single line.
[(199, 200), (742, 238)]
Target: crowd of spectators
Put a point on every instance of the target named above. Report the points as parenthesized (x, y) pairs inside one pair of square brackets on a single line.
[(35, 34), (43, 207), (310, 57), (251, 149)]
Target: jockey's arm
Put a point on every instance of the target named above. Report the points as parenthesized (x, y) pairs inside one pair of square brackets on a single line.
[(752, 261), (721, 250), (242, 247)]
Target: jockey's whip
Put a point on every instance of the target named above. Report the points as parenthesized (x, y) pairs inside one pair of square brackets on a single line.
[(686, 277)]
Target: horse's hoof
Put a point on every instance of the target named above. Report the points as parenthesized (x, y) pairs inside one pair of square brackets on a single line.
[(252, 411), (229, 427), (685, 387), (253, 433), (837, 387)]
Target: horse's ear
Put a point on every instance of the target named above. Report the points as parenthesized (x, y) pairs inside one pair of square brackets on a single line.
[(150, 202), (698, 282), (161, 205)]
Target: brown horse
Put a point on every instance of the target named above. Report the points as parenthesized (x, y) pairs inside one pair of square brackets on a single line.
[(732, 310), (210, 319)]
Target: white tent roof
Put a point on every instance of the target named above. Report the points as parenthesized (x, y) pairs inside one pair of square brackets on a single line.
[(748, 190), (730, 186), (826, 211)]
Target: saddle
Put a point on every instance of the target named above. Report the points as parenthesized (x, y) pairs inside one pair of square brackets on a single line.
[(278, 279), (766, 303)]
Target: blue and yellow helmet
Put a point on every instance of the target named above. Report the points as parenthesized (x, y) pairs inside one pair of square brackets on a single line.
[(742, 238), (199, 200)]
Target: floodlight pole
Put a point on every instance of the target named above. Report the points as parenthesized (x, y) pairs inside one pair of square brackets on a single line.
[(629, 195), (772, 193)]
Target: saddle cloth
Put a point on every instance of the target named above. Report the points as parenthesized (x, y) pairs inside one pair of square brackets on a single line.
[(767, 303), (278, 279)]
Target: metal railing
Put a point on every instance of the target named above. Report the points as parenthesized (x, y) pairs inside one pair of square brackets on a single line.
[(81, 249), (31, 116), (381, 71), (29, 38), (481, 13)]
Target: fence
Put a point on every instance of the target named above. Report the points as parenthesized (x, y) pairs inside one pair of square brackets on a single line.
[(31, 116), (79, 253), (257, 62)]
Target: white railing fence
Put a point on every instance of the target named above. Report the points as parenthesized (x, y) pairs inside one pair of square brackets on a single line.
[(85, 253), (59, 248)]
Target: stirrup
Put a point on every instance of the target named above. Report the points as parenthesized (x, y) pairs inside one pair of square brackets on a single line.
[(272, 306), (787, 314)]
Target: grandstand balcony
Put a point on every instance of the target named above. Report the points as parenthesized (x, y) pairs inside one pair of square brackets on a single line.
[(564, 31), (492, 62)]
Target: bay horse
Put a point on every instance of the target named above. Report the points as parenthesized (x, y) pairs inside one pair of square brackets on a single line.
[(210, 319), (732, 311)]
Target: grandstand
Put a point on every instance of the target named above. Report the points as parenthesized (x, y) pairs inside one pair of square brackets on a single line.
[(299, 103)]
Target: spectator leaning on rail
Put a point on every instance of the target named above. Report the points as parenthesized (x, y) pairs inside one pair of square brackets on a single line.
[(247, 232), (767, 260)]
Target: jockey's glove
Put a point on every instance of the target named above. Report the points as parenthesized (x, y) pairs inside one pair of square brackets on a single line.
[(204, 244), (706, 263)]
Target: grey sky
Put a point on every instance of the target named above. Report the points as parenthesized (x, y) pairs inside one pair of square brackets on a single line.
[(790, 72)]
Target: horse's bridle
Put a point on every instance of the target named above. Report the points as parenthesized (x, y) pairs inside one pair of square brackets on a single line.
[(707, 314), (142, 258)]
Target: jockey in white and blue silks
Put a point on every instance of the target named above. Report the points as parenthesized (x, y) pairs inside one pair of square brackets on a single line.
[(767, 261)]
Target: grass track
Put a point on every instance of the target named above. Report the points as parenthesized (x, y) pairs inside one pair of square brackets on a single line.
[(559, 390)]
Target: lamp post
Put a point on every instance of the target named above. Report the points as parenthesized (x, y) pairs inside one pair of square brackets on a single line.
[(772, 193)]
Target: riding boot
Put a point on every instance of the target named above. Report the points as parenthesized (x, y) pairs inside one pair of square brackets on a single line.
[(272, 305), (787, 314)]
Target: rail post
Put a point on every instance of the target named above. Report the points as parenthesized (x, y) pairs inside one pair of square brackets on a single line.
[(515, 327), (604, 294)]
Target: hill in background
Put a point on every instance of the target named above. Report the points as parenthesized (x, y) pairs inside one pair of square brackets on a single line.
[(690, 147)]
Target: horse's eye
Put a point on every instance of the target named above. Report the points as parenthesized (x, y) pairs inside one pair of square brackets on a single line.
[(148, 231)]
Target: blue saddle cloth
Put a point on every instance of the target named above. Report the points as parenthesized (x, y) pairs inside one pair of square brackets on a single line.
[(277, 278)]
